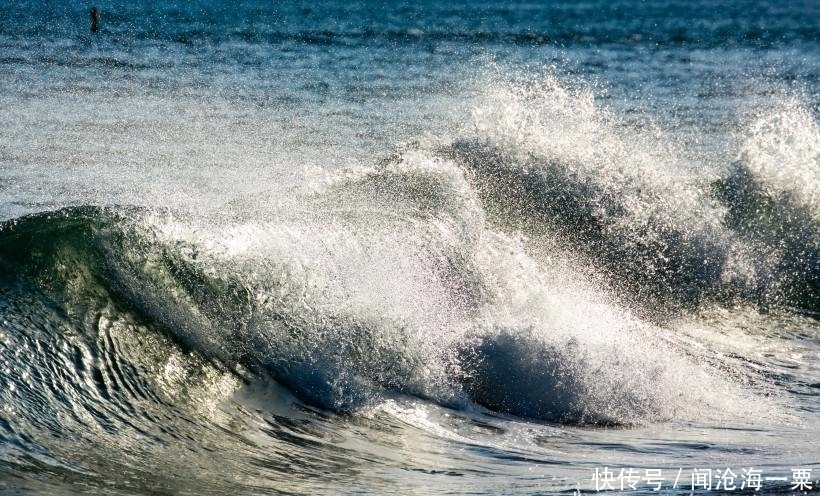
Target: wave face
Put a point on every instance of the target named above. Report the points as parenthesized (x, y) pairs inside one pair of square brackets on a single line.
[(406, 289), (501, 274), (542, 269), (334, 323), (484, 248), (771, 200), (559, 167)]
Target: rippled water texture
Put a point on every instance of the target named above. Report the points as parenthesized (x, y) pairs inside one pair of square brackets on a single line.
[(473, 248)]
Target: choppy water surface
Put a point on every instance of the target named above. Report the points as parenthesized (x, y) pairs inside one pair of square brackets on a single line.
[(253, 248)]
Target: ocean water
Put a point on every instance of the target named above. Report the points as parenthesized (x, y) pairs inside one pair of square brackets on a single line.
[(410, 248)]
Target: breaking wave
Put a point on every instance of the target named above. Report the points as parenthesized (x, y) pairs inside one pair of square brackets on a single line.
[(548, 162), (509, 270)]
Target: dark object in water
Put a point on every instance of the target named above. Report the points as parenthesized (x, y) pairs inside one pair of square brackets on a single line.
[(95, 19)]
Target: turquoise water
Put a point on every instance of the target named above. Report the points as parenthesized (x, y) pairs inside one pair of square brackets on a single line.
[(473, 248)]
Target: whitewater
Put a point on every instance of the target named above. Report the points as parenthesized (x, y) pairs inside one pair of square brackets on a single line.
[(252, 248)]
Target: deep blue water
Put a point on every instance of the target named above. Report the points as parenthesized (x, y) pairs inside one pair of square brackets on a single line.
[(395, 248)]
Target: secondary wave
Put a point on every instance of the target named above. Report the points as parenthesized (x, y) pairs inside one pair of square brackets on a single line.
[(548, 162)]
